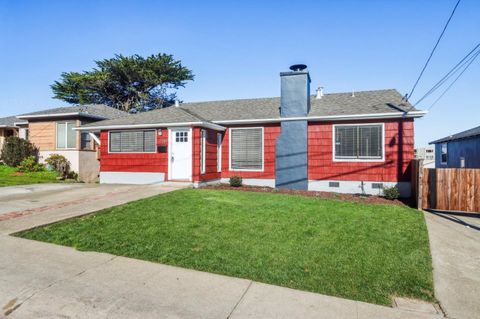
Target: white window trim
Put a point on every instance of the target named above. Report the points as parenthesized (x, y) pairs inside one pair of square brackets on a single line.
[(358, 159), (441, 154), (108, 144), (230, 149), (66, 136), (203, 150), (219, 152)]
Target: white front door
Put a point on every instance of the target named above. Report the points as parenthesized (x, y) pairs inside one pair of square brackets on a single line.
[(180, 154)]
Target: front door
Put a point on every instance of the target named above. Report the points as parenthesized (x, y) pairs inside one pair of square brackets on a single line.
[(180, 155)]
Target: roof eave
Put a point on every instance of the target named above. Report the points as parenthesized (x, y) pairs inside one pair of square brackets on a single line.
[(448, 139), (412, 114)]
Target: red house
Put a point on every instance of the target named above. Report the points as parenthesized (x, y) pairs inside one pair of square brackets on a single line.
[(343, 142)]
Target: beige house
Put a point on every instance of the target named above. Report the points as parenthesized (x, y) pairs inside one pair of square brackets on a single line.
[(12, 126), (53, 132)]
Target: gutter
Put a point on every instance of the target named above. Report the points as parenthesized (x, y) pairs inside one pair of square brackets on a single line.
[(15, 125), (154, 125), (215, 124), (413, 114)]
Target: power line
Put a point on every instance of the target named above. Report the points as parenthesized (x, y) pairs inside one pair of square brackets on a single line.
[(452, 71), (451, 84), (433, 50)]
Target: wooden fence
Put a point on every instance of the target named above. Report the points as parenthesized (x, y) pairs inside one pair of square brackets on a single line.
[(449, 189)]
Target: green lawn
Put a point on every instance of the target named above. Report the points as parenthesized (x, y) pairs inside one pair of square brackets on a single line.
[(357, 251), (10, 177)]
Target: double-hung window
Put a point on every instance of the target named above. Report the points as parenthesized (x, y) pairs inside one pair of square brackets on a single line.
[(66, 135), (444, 154), (246, 149), (358, 142), (142, 141)]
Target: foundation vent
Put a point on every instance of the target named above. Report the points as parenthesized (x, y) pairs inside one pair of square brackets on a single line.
[(334, 184)]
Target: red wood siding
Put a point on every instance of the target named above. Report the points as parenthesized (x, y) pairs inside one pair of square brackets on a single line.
[(211, 155), (399, 145), (134, 162), (270, 134)]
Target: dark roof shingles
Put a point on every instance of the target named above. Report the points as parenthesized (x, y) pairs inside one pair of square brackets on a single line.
[(363, 102), (10, 121), (465, 134), (99, 110)]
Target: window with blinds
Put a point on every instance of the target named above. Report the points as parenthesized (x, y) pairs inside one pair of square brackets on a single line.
[(246, 148), (132, 141), (358, 141)]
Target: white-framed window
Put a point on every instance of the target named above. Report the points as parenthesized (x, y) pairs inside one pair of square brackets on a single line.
[(219, 152), (203, 138), (140, 141), (444, 154), (66, 135), (181, 137), (246, 149), (358, 142)]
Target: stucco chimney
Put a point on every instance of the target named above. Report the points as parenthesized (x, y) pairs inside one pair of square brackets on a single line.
[(291, 147), (295, 91)]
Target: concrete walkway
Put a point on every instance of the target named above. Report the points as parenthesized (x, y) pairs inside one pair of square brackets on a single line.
[(40, 280), (455, 246), (28, 206)]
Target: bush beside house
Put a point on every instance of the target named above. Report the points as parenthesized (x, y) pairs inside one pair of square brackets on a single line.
[(16, 149)]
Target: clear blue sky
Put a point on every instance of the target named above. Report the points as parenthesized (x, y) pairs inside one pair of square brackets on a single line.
[(236, 50)]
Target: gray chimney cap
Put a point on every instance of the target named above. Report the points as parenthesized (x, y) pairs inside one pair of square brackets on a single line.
[(298, 67)]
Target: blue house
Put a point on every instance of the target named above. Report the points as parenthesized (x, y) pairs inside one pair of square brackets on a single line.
[(461, 150)]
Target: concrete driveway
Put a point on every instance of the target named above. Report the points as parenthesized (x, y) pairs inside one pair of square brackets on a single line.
[(28, 206), (455, 246)]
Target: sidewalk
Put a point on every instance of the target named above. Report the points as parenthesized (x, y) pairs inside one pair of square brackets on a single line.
[(455, 246), (42, 280)]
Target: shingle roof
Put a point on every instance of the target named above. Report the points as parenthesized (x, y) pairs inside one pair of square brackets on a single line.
[(465, 134), (96, 110), (364, 102), (166, 115), (9, 121)]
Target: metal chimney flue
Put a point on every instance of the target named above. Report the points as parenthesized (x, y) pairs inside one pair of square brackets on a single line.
[(298, 67), (319, 93)]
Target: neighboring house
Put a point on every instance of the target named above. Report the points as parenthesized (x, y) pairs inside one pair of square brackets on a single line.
[(458, 150), (427, 154), (11, 126), (343, 142), (52, 131)]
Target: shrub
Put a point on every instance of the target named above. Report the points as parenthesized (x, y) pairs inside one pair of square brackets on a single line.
[(30, 164), (17, 149), (60, 164), (235, 181), (391, 193)]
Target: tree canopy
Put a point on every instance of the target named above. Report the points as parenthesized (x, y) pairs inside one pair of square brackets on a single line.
[(125, 82)]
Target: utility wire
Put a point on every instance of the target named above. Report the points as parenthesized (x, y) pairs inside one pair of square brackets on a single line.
[(449, 74), (451, 84), (433, 50)]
